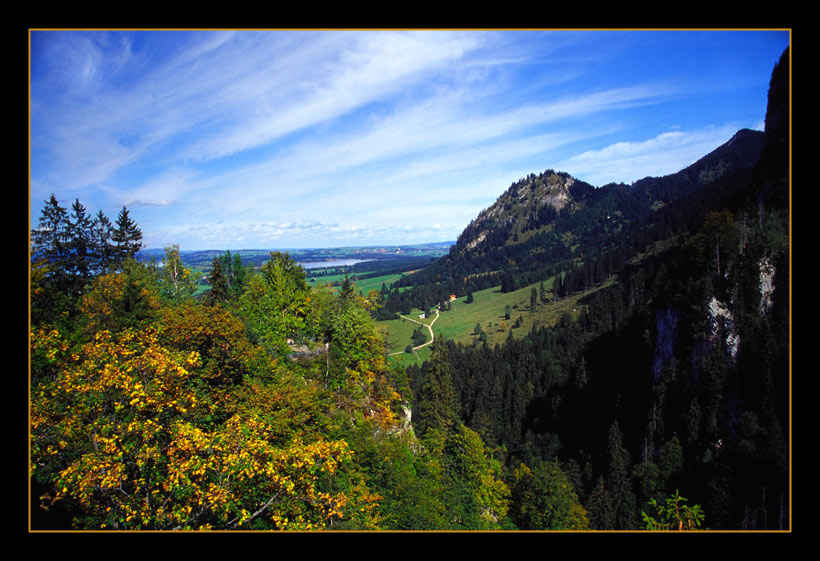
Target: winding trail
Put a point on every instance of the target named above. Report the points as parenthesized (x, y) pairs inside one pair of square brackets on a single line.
[(429, 328)]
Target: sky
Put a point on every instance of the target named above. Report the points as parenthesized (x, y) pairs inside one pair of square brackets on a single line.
[(290, 139)]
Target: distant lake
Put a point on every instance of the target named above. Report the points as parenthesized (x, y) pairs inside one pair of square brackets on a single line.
[(331, 263)]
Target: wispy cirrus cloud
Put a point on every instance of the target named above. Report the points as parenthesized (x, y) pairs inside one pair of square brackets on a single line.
[(664, 154), (232, 135)]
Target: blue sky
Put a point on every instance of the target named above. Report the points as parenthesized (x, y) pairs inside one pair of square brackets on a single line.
[(294, 139)]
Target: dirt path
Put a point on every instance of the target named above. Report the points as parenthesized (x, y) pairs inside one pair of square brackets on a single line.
[(429, 328)]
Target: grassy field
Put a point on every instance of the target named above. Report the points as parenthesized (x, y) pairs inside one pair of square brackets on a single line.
[(488, 310), (364, 285)]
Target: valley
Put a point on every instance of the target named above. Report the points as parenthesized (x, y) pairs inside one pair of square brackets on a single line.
[(614, 357)]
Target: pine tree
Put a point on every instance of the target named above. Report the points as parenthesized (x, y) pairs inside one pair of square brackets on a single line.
[(101, 231), (80, 253), (219, 284), (50, 281), (619, 483), (437, 401), (239, 276), (50, 241), (599, 507), (127, 237)]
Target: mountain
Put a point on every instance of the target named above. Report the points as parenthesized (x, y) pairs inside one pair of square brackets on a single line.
[(674, 377), (550, 223), (555, 200)]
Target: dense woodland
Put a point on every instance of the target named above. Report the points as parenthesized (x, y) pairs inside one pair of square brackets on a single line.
[(665, 405)]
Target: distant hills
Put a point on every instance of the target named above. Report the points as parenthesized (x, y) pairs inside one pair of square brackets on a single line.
[(256, 257)]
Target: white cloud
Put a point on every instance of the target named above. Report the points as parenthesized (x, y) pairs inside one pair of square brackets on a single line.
[(664, 154), (240, 136)]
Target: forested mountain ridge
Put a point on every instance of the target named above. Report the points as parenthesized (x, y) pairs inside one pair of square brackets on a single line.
[(552, 223), (676, 377), (537, 202)]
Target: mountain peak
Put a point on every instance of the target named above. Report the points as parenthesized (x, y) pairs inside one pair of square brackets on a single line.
[(526, 205)]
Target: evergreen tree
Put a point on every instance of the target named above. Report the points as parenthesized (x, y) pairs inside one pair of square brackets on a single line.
[(239, 276), (599, 506), (219, 284), (53, 297), (127, 237), (101, 231), (619, 483), (544, 499), (436, 406), (50, 242), (80, 254)]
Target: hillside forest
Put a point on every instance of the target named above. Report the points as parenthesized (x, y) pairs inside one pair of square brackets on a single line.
[(267, 402)]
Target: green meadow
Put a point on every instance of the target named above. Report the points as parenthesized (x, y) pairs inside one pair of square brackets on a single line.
[(488, 310), (363, 285)]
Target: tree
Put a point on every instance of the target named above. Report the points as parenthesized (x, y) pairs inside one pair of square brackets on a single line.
[(51, 281), (120, 300), (544, 499), (176, 280), (219, 338), (220, 284), (238, 276), (436, 406), (356, 347), (124, 436), (101, 231), (533, 299), (475, 494), (276, 303), (600, 508), (716, 244), (673, 515), (79, 261), (619, 483), (50, 240), (418, 337), (127, 237)]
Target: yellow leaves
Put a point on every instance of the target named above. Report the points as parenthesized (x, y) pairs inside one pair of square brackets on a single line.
[(133, 445)]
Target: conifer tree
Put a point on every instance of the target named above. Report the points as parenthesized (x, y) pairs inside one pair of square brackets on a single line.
[(49, 242), (219, 284), (544, 499), (101, 231), (619, 483), (80, 255), (127, 237), (599, 507), (437, 401)]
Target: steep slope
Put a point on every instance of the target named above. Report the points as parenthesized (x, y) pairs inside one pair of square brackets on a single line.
[(548, 223), (677, 376), (555, 201)]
